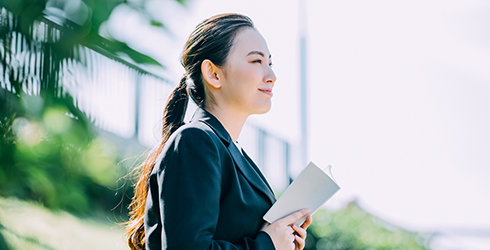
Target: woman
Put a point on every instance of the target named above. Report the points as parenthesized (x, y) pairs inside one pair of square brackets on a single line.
[(197, 189)]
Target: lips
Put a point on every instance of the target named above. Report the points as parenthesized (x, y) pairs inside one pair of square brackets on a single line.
[(266, 91)]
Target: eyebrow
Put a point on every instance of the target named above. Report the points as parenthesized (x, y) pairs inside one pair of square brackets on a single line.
[(257, 52)]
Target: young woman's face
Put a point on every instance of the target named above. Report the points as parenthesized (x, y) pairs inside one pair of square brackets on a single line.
[(248, 75)]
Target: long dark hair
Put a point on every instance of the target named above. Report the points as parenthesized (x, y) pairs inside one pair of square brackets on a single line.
[(212, 39)]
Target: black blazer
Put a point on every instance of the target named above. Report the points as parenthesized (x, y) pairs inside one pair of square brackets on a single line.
[(204, 194)]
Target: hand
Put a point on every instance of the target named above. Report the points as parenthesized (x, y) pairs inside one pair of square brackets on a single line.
[(300, 233), (281, 232)]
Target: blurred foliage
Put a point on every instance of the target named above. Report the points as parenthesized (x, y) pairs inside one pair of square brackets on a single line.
[(85, 19), (354, 229), (48, 149), (44, 153), (3, 243)]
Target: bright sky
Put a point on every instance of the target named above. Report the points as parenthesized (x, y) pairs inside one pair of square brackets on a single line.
[(399, 96)]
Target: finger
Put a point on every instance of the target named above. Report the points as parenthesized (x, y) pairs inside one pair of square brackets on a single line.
[(300, 231), (300, 243), (294, 216), (307, 222)]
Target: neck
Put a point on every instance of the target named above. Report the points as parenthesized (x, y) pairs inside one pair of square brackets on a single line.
[(230, 119)]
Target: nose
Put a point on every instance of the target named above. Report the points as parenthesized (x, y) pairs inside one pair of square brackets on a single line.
[(270, 78)]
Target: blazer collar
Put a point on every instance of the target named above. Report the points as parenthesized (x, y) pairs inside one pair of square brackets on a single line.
[(213, 122), (270, 194), (252, 174), (244, 163)]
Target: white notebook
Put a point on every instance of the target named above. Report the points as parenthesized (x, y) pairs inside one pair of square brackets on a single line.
[(311, 189)]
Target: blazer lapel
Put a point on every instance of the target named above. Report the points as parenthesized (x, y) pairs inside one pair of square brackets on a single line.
[(246, 166), (251, 174), (251, 162)]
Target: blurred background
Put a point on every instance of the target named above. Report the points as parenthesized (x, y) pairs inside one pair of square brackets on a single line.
[(394, 95)]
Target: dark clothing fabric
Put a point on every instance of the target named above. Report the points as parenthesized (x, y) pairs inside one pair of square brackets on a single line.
[(204, 194)]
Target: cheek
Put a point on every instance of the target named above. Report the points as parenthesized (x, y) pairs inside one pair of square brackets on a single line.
[(244, 80), (250, 76), (243, 71)]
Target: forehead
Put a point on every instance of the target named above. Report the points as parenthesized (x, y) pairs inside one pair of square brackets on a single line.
[(247, 40)]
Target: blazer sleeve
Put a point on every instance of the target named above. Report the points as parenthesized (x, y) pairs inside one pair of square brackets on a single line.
[(189, 195)]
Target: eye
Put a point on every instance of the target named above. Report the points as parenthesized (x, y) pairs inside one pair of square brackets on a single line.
[(257, 61)]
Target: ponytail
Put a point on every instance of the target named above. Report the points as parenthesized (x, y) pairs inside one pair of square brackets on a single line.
[(174, 113), (173, 118)]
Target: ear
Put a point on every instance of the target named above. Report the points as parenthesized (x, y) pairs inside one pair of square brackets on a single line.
[(211, 73)]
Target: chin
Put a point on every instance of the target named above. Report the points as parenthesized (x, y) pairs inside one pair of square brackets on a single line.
[(264, 109)]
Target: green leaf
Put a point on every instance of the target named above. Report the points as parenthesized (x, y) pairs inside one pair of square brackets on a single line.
[(181, 1), (114, 47), (137, 56), (157, 24)]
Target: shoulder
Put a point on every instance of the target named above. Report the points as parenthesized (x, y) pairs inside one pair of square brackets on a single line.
[(191, 145), (196, 139), (195, 132)]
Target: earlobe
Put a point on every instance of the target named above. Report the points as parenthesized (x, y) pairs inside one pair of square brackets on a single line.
[(210, 73)]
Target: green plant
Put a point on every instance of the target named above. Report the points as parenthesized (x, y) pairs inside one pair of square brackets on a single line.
[(353, 228), (48, 149)]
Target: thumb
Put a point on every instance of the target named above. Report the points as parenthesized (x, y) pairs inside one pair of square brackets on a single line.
[(294, 216)]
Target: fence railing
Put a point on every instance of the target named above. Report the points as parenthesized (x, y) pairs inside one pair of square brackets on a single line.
[(119, 96)]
